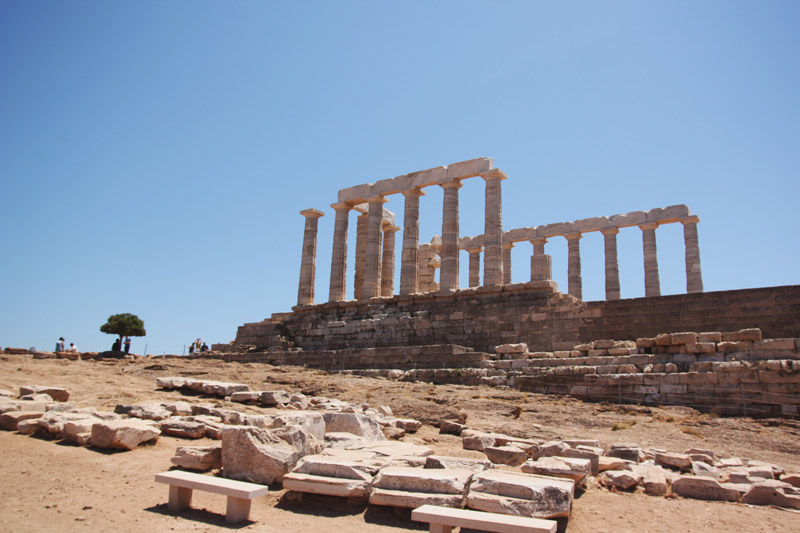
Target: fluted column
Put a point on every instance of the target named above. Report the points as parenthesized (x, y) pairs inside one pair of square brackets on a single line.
[(372, 267), (694, 277), (652, 285), (493, 229), (574, 265), (338, 285), (474, 266), (507, 246), (612, 264), (449, 274), (387, 261), (361, 254), (409, 267), (541, 265), (305, 290)]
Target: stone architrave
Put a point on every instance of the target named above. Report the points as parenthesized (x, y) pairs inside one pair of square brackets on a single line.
[(493, 229), (612, 264), (574, 265), (372, 267), (409, 270), (474, 266), (338, 285), (694, 277), (387, 260), (305, 292), (449, 274), (541, 265), (361, 254), (507, 246), (652, 285)]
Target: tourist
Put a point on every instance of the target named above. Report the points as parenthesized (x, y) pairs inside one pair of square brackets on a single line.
[(117, 346), (191, 348), (127, 344), (60, 344), (197, 344), (204, 347), (72, 348)]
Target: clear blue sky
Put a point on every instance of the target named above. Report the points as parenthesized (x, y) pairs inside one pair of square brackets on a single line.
[(154, 156)]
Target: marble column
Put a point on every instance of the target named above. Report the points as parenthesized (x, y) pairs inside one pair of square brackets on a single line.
[(474, 266), (449, 274), (338, 285), (612, 264), (305, 290), (652, 285), (574, 265), (493, 229), (694, 277), (387, 261), (409, 268), (361, 254), (507, 246), (372, 266), (541, 265)]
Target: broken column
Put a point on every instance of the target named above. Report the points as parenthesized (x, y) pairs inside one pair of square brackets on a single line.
[(387, 260), (694, 278), (612, 265), (409, 271), (541, 263), (574, 264), (474, 266), (372, 267), (338, 285), (493, 229), (652, 286), (449, 275), (305, 291), (507, 246)]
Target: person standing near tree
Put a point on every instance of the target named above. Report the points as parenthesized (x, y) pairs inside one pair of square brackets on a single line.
[(127, 344)]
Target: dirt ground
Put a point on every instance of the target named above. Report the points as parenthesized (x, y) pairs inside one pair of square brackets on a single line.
[(48, 485)]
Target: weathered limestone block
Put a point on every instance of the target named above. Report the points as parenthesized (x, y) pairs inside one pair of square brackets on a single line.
[(574, 443), (674, 460), (145, 411), (179, 408), (355, 423), (342, 439), (199, 458), (773, 492), (56, 393), (28, 427), (653, 478), (701, 451), (247, 396), (586, 452), (310, 422), (441, 461), (170, 382), (400, 486), (53, 421), (222, 389), (9, 420), (620, 479), (407, 424), (40, 397), (791, 479), (606, 463), (629, 452), (476, 440), (395, 450), (513, 493), (213, 425), (531, 447), (79, 431), (511, 348), (506, 455), (449, 427), (572, 468), (553, 448), (701, 468), (729, 462), (122, 434), (703, 488), (257, 455), (178, 427), (6, 393), (275, 397)]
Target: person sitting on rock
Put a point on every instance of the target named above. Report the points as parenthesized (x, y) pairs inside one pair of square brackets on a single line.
[(72, 348), (116, 346)]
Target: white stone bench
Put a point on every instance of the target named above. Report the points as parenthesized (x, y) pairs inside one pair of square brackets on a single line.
[(239, 493), (443, 519)]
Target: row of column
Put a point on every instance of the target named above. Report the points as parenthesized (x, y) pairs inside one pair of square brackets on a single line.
[(376, 278)]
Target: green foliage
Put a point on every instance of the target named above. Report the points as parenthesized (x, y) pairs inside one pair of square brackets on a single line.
[(124, 325)]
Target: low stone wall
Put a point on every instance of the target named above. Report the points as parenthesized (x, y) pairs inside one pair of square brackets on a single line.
[(534, 313)]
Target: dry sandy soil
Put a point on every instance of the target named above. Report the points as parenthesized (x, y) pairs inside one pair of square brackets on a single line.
[(47, 485)]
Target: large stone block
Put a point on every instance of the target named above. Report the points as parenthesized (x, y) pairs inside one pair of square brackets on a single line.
[(199, 458), (520, 494), (256, 454), (773, 492), (354, 423), (58, 394), (122, 434), (400, 486), (572, 468), (703, 488), (178, 427)]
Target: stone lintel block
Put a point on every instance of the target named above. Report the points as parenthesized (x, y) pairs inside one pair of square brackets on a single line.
[(469, 168), (587, 225), (633, 218), (357, 193), (667, 215), (555, 230), (426, 178)]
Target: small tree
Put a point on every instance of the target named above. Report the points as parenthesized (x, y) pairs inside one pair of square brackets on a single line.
[(124, 325)]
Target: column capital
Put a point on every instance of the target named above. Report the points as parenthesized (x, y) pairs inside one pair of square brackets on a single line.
[(610, 231), (538, 240), (508, 245), (474, 249), (454, 184), (692, 219), (573, 236), (391, 228), (376, 200), (648, 226), (312, 213), (342, 206), (494, 174), (414, 191)]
